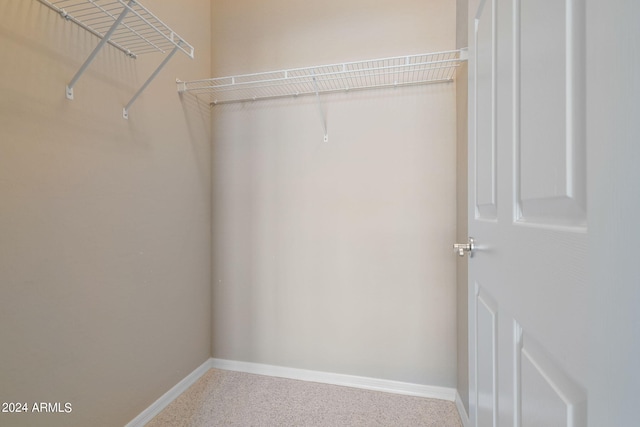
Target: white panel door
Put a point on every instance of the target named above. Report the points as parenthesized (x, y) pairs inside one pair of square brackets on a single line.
[(528, 211)]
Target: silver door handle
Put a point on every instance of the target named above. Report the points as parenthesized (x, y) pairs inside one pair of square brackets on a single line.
[(462, 248)]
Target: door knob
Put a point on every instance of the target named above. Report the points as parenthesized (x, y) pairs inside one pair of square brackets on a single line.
[(462, 248)]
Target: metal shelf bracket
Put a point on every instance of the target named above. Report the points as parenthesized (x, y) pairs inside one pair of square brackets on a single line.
[(97, 49), (322, 116), (125, 110), (125, 25)]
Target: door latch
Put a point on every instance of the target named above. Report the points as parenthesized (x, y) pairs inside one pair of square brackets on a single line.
[(463, 248)]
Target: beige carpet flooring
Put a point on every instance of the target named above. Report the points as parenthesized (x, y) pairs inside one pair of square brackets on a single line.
[(225, 398)]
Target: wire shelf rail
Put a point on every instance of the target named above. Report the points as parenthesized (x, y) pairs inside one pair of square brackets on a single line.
[(376, 73), (125, 25)]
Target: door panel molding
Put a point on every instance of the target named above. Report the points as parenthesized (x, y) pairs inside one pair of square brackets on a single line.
[(550, 396), (486, 358), (548, 108), (485, 64)]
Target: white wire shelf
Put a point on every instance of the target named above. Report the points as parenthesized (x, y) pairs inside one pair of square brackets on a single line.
[(125, 25), (375, 73)]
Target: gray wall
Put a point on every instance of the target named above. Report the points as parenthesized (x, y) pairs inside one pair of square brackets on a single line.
[(104, 223), (328, 256), (335, 256)]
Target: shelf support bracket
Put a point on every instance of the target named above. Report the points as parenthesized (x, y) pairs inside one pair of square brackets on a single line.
[(125, 110), (97, 49), (322, 116)]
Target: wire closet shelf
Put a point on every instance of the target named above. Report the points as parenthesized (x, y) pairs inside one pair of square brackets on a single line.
[(125, 25), (375, 73)]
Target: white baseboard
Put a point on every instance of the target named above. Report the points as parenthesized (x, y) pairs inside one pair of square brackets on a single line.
[(397, 387), (464, 417), (388, 386), (164, 400)]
